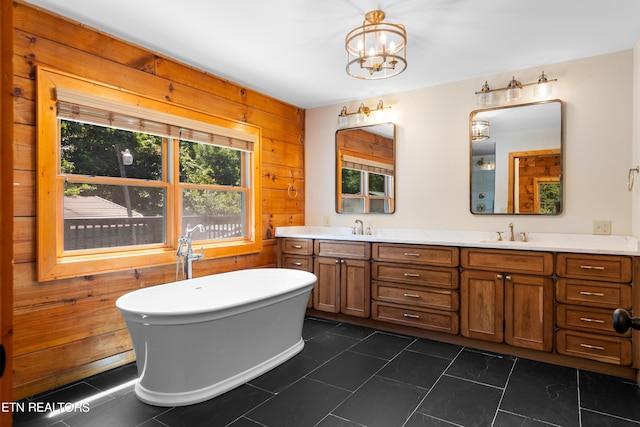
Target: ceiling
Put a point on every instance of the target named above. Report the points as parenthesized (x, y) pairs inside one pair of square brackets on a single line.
[(294, 50)]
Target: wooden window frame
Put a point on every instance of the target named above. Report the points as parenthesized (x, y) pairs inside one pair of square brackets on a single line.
[(52, 262)]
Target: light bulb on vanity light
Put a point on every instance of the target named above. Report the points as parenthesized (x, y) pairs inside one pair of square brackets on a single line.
[(543, 88), (514, 90)]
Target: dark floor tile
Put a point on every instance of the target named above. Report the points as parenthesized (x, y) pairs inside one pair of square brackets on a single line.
[(123, 411), (422, 420), (382, 345), (218, 411), (436, 348), (507, 419), (596, 419), (485, 368), (286, 374), (326, 345), (305, 403), (353, 331), (543, 391), (415, 368), (381, 402), (615, 396), (462, 402), (245, 422), (114, 378), (333, 421), (36, 410), (152, 423), (348, 370), (312, 327)]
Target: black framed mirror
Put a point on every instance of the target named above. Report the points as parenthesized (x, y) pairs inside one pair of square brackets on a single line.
[(516, 159), (365, 169)]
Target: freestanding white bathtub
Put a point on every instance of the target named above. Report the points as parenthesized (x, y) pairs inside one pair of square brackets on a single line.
[(198, 338)]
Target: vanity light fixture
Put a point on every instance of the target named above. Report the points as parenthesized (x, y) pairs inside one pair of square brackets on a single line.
[(376, 49), (361, 116), (480, 129), (542, 89)]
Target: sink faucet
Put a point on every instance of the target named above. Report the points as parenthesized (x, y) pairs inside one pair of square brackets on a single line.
[(359, 230), (188, 254), (511, 237)]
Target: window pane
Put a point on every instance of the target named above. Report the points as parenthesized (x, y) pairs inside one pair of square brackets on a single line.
[(549, 197), (352, 205), (220, 212), (209, 164), (351, 181), (104, 216), (377, 184), (97, 151), (379, 206)]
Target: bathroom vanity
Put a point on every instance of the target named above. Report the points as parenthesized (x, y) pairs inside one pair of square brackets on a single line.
[(549, 299)]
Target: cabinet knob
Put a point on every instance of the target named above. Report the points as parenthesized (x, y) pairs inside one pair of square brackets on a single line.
[(499, 276), (622, 321), (507, 277)]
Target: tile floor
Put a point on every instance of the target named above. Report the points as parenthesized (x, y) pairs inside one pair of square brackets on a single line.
[(350, 376)]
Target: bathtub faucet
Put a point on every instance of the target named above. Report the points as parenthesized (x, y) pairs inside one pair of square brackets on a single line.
[(188, 255)]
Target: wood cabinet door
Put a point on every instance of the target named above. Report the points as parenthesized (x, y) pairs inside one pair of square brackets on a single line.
[(482, 305), (326, 293), (355, 293), (529, 312)]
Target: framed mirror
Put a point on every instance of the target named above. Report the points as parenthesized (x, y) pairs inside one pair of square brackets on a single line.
[(516, 159), (365, 169)]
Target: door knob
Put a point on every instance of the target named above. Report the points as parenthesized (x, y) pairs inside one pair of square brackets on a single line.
[(622, 321)]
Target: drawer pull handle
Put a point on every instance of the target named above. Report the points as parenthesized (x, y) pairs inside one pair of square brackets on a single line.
[(591, 267), (592, 294), (297, 246), (412, 316), (411, 254), (296, 263), (592, 347), (411, 275), (588, 319), (412, 296)]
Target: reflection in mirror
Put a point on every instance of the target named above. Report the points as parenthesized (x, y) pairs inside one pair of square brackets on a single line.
[(516, 159), (365, 169)]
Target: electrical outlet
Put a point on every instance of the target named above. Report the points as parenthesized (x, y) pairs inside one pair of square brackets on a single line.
[(327, 221), (601, 227)]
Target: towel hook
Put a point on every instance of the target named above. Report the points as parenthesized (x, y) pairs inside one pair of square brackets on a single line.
[(292, 190), (632, 176)]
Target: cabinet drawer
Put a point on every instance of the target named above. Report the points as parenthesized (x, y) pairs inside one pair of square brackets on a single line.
[(509, 261), (339, 249), (416, 254), (291, 245), (297, 262), (416, 275), (597, 347), (597, 320), (439, 299), (596, 294), (442, 321), (594, 267)]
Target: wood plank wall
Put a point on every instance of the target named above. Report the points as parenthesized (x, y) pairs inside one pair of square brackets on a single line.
[(68, 329)]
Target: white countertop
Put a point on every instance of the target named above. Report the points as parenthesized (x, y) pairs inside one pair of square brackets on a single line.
[(553, 242)]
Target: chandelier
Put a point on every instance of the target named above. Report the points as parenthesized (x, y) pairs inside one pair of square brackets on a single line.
[(376, 50)]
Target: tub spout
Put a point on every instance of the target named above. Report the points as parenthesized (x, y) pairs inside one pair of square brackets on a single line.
[(188, 255)]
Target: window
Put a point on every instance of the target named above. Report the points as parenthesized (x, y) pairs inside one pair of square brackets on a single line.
[(121, 176), (366, 191)]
